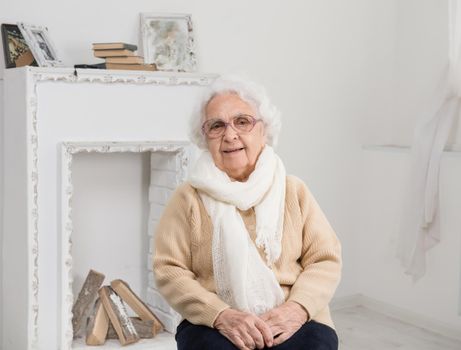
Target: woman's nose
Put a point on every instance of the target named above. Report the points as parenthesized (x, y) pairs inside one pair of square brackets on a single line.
[(230, 133)]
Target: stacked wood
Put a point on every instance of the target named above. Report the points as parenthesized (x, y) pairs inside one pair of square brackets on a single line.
[(106, 317), (85, 299)]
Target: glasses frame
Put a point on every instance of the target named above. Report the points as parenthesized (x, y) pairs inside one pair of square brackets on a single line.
[(231, 124)]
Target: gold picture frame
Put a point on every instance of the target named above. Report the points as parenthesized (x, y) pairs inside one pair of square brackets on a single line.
[(16, 51)]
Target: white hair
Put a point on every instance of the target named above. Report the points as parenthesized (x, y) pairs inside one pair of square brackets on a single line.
[(249, 92)]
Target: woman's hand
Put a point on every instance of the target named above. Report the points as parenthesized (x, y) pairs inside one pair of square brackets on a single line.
[(244, 330), (285, 320)]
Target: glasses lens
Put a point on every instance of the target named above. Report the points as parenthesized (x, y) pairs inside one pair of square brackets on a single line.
[(243, 122), (214, 127)]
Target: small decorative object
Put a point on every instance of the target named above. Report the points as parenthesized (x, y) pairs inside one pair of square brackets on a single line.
[(39, 41), (17, 52), (168, 41)]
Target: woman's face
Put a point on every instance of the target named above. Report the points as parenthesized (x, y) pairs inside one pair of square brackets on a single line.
[(234, 152)]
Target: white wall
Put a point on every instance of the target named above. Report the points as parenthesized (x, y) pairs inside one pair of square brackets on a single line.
[(421, 61)]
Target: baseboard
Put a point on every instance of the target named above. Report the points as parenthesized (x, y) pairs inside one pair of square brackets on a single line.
[(396, 312), (346, 301)]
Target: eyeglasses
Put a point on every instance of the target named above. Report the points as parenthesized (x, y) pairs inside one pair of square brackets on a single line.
[(215, 128)]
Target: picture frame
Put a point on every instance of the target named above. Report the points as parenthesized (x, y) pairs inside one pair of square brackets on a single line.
[(40, 43), (16, 51), (168, 41)]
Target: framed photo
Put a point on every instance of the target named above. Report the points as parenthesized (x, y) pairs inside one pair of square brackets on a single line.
[(168, 41), (39, 41), (15, 49)]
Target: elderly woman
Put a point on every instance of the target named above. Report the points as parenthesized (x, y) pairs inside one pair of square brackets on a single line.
[(242, 251)]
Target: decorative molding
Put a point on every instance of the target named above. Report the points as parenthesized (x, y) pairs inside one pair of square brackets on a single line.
[(35, 75), (178, 149), (32, 165), (118, 76)]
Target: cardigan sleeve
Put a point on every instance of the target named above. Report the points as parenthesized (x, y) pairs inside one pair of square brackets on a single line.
[(320, 259), (173, 263)]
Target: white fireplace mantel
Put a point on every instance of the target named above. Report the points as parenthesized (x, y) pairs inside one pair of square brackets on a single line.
[(45, 111)]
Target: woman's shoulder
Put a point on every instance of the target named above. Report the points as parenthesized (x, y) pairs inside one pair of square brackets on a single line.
[(184, 201), (185, 189), (294, 183), (184, 195), (298, 192)]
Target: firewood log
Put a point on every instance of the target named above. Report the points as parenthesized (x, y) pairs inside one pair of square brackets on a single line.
[(98, 325), (86, 298), (142, 310), (118, 316), (145, 329)]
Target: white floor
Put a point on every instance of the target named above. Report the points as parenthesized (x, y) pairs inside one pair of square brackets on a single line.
[(360, 328)]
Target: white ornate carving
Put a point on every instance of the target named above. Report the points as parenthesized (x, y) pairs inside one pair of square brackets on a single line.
[(119, 76), (176, 148), (33, 217), (69, 75)]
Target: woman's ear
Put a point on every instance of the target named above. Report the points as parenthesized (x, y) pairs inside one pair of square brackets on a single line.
[(264, 139)]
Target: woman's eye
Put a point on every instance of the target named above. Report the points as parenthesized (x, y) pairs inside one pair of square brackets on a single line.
[(216, 125), (242, 121)]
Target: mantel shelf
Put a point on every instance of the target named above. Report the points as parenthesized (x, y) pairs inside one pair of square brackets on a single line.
[(117, 76)]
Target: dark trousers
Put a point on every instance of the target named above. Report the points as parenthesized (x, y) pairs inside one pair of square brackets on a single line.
[(311, 336)]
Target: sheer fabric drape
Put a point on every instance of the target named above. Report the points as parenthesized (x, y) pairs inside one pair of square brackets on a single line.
[(420, 224)]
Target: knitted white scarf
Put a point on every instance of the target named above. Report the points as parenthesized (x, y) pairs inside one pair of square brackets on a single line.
[(242, 278)]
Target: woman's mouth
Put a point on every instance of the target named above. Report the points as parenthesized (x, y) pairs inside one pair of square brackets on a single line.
[(234, 150)]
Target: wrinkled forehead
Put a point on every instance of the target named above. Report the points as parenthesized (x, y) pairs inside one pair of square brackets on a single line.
[(228, 104)]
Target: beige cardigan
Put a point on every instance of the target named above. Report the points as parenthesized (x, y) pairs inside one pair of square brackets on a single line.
[(308, 269)]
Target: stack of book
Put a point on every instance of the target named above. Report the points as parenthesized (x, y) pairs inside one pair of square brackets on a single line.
[(121, 56)]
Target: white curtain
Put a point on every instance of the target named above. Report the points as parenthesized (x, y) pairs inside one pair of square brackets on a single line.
[(420, 224)]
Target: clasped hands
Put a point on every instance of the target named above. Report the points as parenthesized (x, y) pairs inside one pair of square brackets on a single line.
[(248, 331)]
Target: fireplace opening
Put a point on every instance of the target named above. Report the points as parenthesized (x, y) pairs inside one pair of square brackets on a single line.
[(115, 201)]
